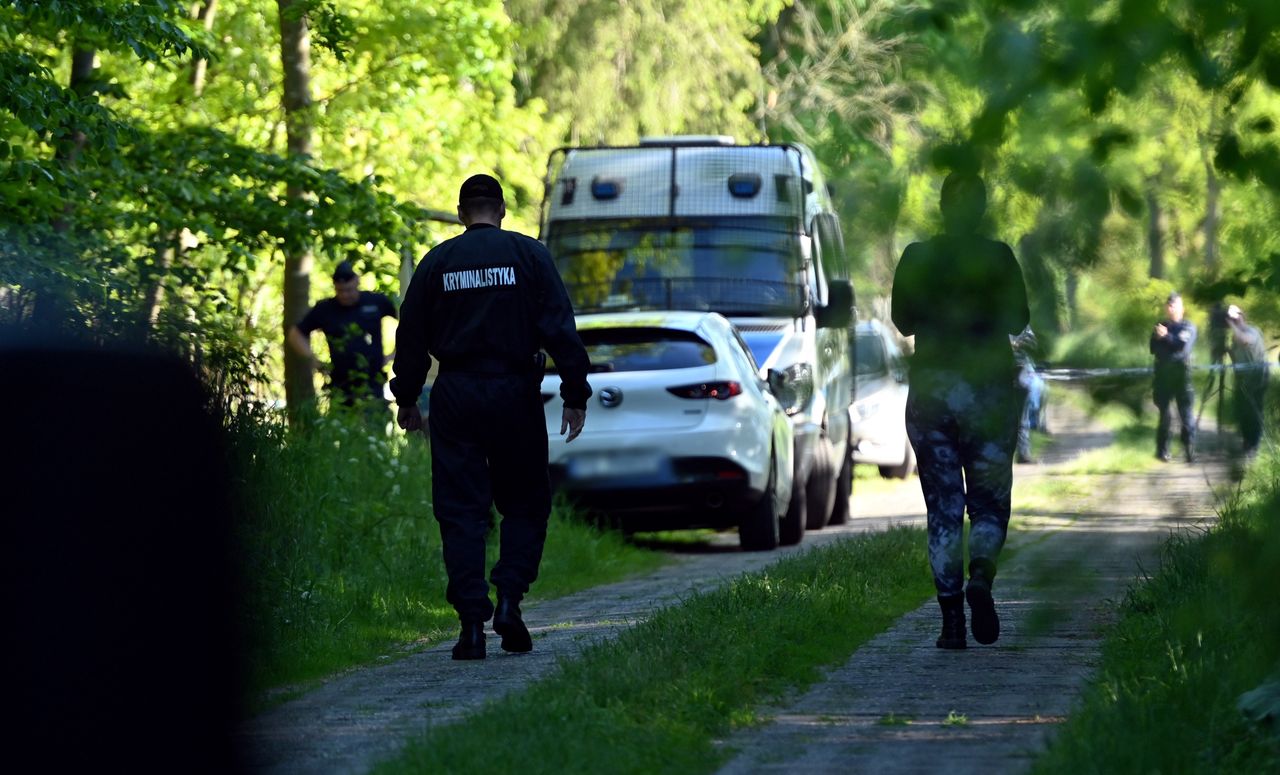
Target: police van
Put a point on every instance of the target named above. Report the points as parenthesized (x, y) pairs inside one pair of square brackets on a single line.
[(747, 231)]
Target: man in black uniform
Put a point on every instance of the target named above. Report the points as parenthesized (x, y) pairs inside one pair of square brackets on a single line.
[(352, 325), (1171, 343), (962, 296), (483, 304)]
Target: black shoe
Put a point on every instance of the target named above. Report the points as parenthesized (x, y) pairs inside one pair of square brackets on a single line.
[(470, 643), (1191, 456), (953, 636), (508, 624), (1163, 457), (982, 611)]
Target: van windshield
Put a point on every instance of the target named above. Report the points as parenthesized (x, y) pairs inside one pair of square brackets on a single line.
[(739, 265)]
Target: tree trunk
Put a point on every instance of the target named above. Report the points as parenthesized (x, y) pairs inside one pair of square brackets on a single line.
[(1212, 215), (172, 243), (295, 57), (1073, 301), (154, 298), (200, 66), (49, 310), (1155, 235)]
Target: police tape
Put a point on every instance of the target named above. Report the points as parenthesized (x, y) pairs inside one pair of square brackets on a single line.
[(1076, 375)]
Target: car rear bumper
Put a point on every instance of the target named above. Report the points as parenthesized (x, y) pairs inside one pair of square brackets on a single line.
[(690, 492)]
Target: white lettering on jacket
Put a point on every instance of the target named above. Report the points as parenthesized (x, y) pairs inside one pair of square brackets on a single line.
[(467, 279)]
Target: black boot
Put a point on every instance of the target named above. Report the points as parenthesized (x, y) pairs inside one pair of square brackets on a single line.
[(982, 609), (470, 643), (508, 624), (952, 636)]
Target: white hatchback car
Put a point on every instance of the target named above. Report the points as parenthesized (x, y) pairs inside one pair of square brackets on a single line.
[(681, 432), (878, 415)]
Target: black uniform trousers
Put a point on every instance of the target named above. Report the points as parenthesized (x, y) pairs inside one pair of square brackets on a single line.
[(1175, 388), (489, 447)]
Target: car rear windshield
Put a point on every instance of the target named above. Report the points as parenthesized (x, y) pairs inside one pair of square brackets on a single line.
[(733, 265), (643, 349)]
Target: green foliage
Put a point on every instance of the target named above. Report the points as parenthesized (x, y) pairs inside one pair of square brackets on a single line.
[(153, 30), (1191, 640), (653, 699), (617, 71)]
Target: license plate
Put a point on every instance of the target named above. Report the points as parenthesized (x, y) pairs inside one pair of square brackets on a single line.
[(615, 464)]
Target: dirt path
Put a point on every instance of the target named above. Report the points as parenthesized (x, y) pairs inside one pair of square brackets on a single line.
[(353, 721), (901, 705)]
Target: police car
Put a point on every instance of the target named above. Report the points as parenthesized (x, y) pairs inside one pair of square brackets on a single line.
[(878, 415), (681, 432)]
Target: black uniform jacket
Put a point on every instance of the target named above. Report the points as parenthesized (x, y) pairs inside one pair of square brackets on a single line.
[(488, 294), (1173, 351)]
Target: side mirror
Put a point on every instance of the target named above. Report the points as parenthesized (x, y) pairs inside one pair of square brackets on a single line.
[(838, 313), (776, 380)]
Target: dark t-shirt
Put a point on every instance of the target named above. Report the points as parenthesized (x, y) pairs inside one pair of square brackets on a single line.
[(962, 296), (355, 337)]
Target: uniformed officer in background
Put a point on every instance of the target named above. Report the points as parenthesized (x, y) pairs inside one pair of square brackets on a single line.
[(1171, 343), (963, 297), (352, 326), (483, 304)]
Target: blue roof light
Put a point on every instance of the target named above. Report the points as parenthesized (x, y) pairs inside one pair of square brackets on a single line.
[(744, 185), (606, 188)]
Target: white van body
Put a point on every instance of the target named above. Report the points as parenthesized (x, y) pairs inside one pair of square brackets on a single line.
[(747, 231)]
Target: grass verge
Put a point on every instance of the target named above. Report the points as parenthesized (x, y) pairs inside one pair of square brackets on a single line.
[(1191, 639), (655, 698), (341, 554)]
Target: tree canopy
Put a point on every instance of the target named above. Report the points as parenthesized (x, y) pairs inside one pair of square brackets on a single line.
[(150, 189)]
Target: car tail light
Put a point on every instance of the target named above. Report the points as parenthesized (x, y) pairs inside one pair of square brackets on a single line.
[(717, 390)]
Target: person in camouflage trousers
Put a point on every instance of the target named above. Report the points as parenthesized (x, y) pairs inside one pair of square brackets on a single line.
[(962, 296)]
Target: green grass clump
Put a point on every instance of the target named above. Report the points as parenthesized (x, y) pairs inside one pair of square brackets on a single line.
[(655, 698), (341, 554), (1191, 639)]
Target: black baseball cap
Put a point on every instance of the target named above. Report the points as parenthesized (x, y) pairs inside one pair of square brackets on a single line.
[(480, 187), (344, 272)]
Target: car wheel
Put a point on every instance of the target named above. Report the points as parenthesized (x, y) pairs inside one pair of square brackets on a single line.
[(844, 488), (791, 529), (758, 531), (903, 469), (821, 490)]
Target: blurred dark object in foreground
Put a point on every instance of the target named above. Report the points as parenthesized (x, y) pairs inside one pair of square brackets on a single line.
[(120, 651)]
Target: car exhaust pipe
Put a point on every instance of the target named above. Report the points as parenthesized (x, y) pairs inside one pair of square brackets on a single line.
[(715, 500)]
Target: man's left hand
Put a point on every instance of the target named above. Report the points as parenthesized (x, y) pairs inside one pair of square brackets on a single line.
[(409, 418)]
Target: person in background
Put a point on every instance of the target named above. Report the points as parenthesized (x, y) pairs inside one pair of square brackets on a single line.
[(1171, 343), (962, 296), (1250, 372), (352, 325), (1034, 386)]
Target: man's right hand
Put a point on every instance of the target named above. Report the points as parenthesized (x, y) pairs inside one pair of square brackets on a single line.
[(1161, 329), (572, 420), (410, 418)]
